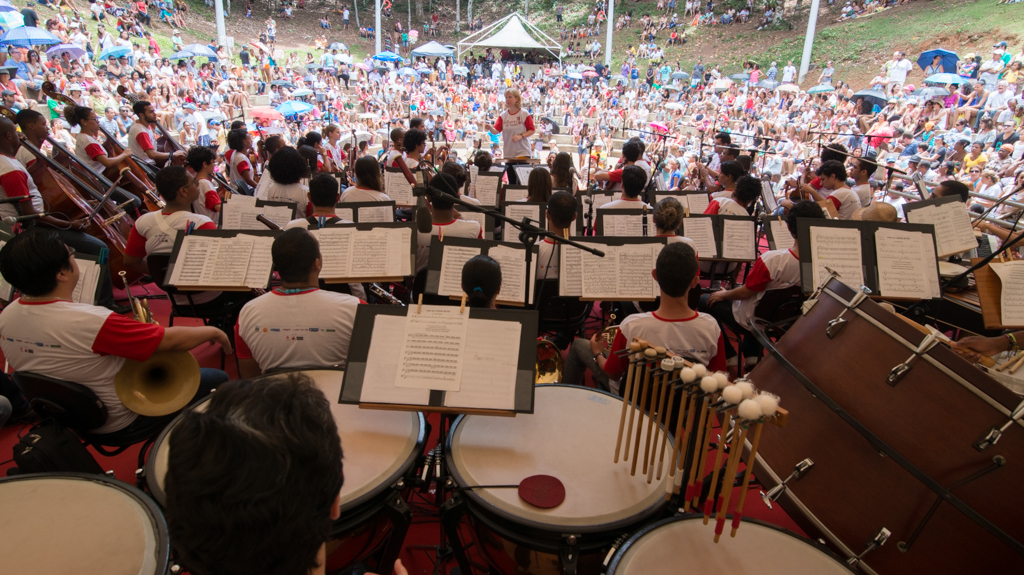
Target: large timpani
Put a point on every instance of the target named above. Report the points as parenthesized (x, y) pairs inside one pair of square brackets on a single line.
[(685, 545), (571, 436), (380, 447), (79, 523)]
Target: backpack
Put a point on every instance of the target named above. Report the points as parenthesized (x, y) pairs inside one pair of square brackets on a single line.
[(51, 447)]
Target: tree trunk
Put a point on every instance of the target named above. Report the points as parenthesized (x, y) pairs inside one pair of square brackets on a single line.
[(355, 10), (419, 8), (469, 13), (458, 14)]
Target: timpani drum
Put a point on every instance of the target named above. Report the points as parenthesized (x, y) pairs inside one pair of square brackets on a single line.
[(684, 544), (79, 523), (571, 436), (896, 441), (381, 448)]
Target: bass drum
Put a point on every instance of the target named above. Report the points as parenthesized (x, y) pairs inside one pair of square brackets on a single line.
[(683, 544), (901, 455), (79, 523), (381, 447), (571, 436)]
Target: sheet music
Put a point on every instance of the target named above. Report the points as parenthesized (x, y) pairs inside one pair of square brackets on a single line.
[(452, 261), (738, 240), (261, 262), (398, 188), (515, 193), (243, 200), (345, 214), (192, 256), (1011, 296), (768, 197), (513, 273), (600, 275), (490, 366), (242, 215), (698, 203), (635, 262), (523, 172), (600, 200), (518, 211), (399, 251), (780, 234), (375, 214), (901, 273), (369, 254), (479, 217), (88, 277), (570, 276), (931, 265), (953, 231), (487, 186), (432, 346), (628, 226), (229, 263), (382, 366), (280, 215), (702, 232), (335, 251), (839, 249)]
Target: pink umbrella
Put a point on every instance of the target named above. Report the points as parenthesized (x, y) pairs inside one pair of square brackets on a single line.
[(590, 74), (363, 66), (879, 135), (553, 72), (266, 113), (659, 126)]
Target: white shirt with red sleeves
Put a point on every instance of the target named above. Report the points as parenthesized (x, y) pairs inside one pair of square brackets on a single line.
[(513, 125), (155, 233), (77, 342), (697, 337), (846, 202), (725, 207), (208, 200), (307, 329), (357, 194), (773, 270), (16, 183), (454, 229), (294, 193), (88, 149), (140, 139), (625, 203), (238, 163)]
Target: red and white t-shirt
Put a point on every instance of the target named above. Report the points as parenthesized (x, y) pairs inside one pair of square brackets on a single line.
[(357, 194), (208, 200), (238, 163), (773, 270), (88, 149), (307, 329), (77, 342), (454, 229), (725, 207), (697, 337), (625, 203), (140, 139), (846, 202), (293, 193), (16, 183), (155, 233), (513, 125)]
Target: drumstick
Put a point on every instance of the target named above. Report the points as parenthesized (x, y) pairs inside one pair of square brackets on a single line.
[(749, 410), (649, 355), (698, 431), (686, 409), (667, 419), (632, 400), (633, 348), (1008, 362), (721, 381), (655, 390), (1017, 365), (732, 395), (738, 439), (667, 367)]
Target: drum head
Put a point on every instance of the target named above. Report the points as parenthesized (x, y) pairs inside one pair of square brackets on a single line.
[(757, 549), (571, 436), (78, 523), (378, 445)]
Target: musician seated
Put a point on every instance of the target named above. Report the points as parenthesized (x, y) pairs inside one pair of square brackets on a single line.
[(323, 194), (397, 138), (952, 188), (286, 168), (414, 142), (87, 147), (444, 222), (226, 513), (265, 332), (561, 213), (202, 159), (773, 270), (632, 151), (674, 326), (832, 174), (748, 189), (369, 185), (44, 332), (239, 145), (481, 282), (141, 136), (538, 186), (461, 176), (633, 181), (668, 217)]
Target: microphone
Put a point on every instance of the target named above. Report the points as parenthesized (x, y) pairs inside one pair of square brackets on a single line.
[(424, 223), (11, 220), (15, 199)]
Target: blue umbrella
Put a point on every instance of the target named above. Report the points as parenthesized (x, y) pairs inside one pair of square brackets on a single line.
[(423, 71), (293, 107), (301, 93), (949, 59), (821, 89), (72, 50), (388, 57), (945, 79), (11, 20), (181, 55), (406, 71), (116, 52), (27, 37), (6, 6), (200, 50)]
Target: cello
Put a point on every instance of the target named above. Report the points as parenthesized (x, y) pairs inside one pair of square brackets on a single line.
[(164, 143)]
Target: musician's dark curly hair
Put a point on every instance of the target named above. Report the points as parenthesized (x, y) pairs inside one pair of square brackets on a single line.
[(198, 156), (287, 166)]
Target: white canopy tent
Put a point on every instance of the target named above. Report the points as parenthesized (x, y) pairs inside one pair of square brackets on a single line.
[(514, 32)]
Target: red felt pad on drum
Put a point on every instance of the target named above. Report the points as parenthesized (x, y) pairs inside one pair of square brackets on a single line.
[(542, 491)]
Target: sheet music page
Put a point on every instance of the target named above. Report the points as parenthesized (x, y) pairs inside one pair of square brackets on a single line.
[(523, 172), (931, 265), (231, 213), (478, 217), (490, 365), (738, 240), (487, 189), (519, 211), (702, 232), (635, 262), (600, 275), (88, 277), (681, 199), (513, 272), (191, 260), (570, 276), (261, 262), (514, 194), (1011, 296), (452, 261), (953, 231), (345, 214), (780, 234), (335, 251), (229, 262), (243, 200), (280, 215), (369, 253), (375, 214), (839, 249), (399, 255), (382, 366), (398, 188), (698, 203), (432, 347), (474, 171), (600, 200), (628, 226), (900, 269), (247, 219)]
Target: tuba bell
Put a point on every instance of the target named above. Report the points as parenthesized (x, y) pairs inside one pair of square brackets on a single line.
[(161, 385)]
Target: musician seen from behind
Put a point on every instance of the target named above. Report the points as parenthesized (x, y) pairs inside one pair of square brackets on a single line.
[(748, 190), (226, 513), (561, 213), (443, 220), (44, 332), (634, 178), (286, 171), (773, 270), (323, 194), (368, 185), (481, 282), (296, 324), (674, 326), (142, 136), (668, 218)]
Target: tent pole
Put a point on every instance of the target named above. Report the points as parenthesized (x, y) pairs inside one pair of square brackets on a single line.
[(608, 35)]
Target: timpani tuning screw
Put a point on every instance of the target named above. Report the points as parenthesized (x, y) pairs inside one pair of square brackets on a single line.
[(775, 492)]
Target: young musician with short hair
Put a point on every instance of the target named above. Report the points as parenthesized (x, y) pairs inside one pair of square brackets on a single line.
[(746, 192), (142, 136), (397, 137), (414, 142), (561, 213), (226, 513), (202, 159), (632, 152), (674, 326), (44, 332), (832, 174), (633, 181), (324, 318), (239, 168), (323, 194), (481, 282), (442, 214)]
